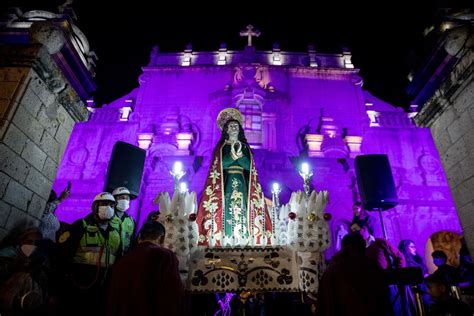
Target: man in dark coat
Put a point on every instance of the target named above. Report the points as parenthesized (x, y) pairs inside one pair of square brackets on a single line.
[(353, 284), (450, 274), (379, 250), (146, 281), (387, 257)]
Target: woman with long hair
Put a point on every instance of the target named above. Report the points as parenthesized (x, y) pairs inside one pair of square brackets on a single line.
[(412, 258)]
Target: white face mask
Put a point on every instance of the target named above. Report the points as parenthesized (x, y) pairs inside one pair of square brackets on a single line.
[(106, 212), (28, 249), (123, 205)]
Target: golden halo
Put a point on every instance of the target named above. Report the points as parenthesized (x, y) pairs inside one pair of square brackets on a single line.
[(228, 114)]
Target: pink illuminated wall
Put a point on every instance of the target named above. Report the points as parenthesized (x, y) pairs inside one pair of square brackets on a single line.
[(295, 111)]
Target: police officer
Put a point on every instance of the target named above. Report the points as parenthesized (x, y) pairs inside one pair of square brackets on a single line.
[(122, 196), (91, 245)]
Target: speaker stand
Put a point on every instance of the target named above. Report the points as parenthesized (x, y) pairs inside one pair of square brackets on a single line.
[(381, 223), (419, 305)]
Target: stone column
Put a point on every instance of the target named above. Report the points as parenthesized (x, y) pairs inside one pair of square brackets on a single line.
[(38, 109)]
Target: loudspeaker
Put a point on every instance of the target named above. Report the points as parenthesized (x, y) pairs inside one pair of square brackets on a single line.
[(125, 168), (375, 182)]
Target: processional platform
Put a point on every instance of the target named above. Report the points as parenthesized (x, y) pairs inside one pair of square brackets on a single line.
[(292, 261), (261, 269)]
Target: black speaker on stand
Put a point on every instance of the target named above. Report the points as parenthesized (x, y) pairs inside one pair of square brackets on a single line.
[(125, 168), (376, 185)]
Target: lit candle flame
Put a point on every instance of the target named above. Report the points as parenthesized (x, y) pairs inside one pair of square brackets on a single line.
[(177, 167), (305, 168)]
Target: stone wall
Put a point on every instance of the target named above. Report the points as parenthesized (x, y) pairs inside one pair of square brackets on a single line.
[(38, 111), (450, 115)]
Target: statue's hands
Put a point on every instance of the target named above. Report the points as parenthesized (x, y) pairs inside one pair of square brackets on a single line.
[(236, 150)]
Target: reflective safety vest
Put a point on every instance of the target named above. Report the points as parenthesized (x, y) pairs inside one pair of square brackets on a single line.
[(94, 249), (127, 232)]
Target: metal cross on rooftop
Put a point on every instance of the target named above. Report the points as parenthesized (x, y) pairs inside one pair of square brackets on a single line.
[(249, 33)]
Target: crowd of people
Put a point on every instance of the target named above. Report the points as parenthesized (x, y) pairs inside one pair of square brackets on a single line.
[(97, 265), (366, 275)]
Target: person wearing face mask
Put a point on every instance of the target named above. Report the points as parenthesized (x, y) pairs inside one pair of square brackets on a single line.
[(450, 274), (18, 248), (91, 246), (122, 196), (24, 272)]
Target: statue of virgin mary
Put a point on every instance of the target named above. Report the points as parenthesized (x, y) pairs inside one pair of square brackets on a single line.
[(232, 210)]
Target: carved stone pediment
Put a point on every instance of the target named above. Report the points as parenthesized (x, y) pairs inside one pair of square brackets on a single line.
[(251, 75)]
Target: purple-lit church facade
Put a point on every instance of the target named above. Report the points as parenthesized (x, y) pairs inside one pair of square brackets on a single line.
[(297, 107)]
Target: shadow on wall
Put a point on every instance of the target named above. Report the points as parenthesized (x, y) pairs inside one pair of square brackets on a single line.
[(447, 241)]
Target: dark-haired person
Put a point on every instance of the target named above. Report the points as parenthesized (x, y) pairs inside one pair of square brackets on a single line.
[(353, 284), (450, 274), (146, 281), (380, 250), (387, 256), (412, 258), (444, 304), (24, 272), (361, 215)]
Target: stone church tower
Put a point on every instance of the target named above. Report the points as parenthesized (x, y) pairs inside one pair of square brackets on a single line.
[(46, 76), (443, 90)]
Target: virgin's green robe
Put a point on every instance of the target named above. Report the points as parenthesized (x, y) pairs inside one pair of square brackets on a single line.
[(232, 205), (235, 192)]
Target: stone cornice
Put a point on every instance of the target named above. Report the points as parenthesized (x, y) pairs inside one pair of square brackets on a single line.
[(54, 78), (58, 39), (36, 57), (294, 70), (443, 96), (64, 42)]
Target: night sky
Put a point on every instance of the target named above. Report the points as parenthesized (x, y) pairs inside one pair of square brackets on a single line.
[(384, 45)]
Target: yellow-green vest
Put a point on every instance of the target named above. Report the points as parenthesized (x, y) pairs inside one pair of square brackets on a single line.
[(94, 248), (127, 232)]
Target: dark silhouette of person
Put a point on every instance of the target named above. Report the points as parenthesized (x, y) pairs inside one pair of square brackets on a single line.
[(450, 274), (466, 269), (361, 215), (444, 304), (353, 284), (24, 272), (146, 281)]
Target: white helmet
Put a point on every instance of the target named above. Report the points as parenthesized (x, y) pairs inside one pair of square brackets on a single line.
[(104, 196), (120, 191)]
